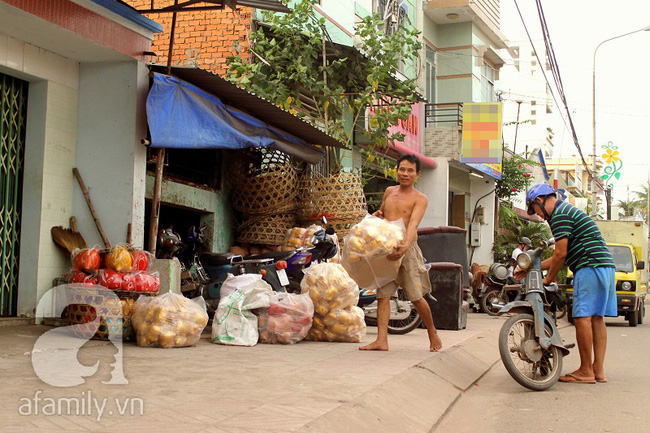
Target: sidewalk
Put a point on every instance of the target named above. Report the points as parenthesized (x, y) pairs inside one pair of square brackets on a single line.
[(310, 386)]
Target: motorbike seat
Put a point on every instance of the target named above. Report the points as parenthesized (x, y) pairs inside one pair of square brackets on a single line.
[(275, 255), (219, 259)]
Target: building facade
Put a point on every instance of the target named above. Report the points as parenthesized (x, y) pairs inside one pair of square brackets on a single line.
[(81, 67)]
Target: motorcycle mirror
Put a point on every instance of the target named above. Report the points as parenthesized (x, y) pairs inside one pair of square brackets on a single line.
[(330, 230), (324, 220)]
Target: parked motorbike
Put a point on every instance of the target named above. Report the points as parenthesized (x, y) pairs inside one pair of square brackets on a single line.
[(530, 344), (193, 275), (496, 291)]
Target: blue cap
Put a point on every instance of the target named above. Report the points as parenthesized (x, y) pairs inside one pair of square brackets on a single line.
[(534, 192)]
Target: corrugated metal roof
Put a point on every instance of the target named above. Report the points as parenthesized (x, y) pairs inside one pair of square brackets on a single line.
[(246, 101)]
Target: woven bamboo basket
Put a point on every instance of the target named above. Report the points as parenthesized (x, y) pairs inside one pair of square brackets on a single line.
[(338, 197), (266, 229), (115, 314), (264, 182)]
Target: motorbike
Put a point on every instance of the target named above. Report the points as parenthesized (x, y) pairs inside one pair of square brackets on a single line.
[(530, 344), (496, 291)]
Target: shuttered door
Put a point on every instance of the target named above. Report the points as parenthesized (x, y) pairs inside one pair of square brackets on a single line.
[(13, 113)]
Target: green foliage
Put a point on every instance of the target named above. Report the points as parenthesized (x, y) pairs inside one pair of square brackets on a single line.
[(516, 228), (513, 179), (290, 69)]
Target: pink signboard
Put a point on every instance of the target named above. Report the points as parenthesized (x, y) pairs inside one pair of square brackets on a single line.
[(410, 127)]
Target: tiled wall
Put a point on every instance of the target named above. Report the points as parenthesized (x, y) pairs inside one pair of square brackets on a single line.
[(442, 142)]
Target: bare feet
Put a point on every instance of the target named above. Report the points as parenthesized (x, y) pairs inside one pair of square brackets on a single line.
[(375, 345), (435, 341)]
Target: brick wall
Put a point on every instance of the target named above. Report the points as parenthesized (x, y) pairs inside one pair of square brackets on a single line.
[(442, 141), (203, 38)]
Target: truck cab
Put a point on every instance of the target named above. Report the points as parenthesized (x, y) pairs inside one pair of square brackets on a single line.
[(631, 283)]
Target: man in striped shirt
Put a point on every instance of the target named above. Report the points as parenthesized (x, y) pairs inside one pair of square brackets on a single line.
[(580, 245)]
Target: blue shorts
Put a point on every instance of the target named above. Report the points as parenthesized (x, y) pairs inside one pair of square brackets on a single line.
[(594, 292)]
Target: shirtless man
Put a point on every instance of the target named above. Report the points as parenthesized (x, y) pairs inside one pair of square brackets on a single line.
[(405, 202)]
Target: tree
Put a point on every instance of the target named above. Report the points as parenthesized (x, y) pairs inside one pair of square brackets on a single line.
[(504, 243), (295, 66), (514, 176), (642, 201), (627, 207)]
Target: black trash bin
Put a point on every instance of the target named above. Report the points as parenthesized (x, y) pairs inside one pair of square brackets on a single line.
[(445, 244), (446, 286)]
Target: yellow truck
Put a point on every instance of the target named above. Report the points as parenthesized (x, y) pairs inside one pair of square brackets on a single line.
[(627, 241)]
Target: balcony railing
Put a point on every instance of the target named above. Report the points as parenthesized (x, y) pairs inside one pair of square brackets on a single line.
[(447, 114)]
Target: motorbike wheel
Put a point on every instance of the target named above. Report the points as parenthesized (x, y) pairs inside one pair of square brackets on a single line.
[(530, 365), (294, 286), (492, 301), (404, 326)]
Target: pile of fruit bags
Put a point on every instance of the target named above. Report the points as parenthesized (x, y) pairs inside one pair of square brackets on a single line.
[(120, 268), (335, 296)]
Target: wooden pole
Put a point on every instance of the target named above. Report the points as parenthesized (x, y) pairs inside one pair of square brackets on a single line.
[(160, 160), (91, 207)]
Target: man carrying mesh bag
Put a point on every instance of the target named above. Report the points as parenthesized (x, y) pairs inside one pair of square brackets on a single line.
[(404, 202)]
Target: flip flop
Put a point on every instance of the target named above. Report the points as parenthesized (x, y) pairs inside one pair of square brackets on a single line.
[(601, 380), (572, 378)]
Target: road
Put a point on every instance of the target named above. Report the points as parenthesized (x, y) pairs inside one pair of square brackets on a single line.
[(498, 404)]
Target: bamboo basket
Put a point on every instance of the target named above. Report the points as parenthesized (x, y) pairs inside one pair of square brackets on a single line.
[(266, 229), (115, 314), (264, 182), (338, 197)]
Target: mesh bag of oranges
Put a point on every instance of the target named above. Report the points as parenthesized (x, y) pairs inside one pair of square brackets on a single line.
[(335, 296)]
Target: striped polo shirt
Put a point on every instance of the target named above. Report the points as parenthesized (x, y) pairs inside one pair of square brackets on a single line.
[(586, 245)]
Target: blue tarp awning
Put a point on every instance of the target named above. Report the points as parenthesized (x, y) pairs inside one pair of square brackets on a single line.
[(182, 116)]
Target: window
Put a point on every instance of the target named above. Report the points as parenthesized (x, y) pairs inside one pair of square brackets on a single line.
[(487, 83), (533, 122), (430, 84), (533, 102), (195, 166), (533, 112)]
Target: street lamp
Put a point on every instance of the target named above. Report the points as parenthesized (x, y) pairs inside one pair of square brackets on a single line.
[(593, 166)]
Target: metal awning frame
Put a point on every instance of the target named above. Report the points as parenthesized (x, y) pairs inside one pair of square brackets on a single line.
[(188, 6)]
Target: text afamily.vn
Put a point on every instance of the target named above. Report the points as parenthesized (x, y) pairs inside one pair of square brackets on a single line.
[(86, 404)]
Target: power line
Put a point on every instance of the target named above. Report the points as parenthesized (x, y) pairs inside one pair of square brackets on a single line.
[(557, 79)]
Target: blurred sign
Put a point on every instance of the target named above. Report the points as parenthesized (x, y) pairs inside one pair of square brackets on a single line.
[(578, 177), (482, 140)]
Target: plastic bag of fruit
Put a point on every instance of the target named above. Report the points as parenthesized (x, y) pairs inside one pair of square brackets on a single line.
[(346, 325), (329, 287), (287, 320), (366, 249), (86, 259), (297, 237), (335, 296), (234, 323), (168, 320)]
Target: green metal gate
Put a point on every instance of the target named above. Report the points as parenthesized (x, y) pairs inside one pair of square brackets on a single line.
[(13, 113)]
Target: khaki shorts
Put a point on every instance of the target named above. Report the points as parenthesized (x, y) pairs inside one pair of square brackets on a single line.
[(413, 276)]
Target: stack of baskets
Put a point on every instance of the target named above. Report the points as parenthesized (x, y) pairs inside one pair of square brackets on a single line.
[(265, 193), (338, 197)]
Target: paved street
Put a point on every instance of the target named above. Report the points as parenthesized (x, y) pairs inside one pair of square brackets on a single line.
[(498, 404), (267, 388)]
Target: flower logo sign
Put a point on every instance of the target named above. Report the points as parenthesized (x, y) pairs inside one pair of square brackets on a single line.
[(614, 164)]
